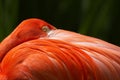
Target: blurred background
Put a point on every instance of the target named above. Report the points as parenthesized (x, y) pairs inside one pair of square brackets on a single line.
[(97, 18)]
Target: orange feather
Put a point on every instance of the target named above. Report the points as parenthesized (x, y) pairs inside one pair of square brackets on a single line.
[(36, 50)]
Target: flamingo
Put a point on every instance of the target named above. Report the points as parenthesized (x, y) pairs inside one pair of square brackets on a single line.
[(36, 50)]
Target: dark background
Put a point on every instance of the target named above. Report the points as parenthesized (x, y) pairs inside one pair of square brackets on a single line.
[(97, 18)]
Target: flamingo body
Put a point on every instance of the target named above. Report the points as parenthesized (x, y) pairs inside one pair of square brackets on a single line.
[(36, 50)]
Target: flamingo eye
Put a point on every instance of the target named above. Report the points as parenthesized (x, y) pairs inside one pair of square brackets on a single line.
[(45, 28)]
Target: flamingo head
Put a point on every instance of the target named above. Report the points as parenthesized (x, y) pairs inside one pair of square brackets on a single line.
[(27, 30), (31, 29)]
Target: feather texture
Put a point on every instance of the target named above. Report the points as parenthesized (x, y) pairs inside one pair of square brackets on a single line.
[(58, 55)]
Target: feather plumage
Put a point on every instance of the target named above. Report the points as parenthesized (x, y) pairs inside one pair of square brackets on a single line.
[(58, 55)]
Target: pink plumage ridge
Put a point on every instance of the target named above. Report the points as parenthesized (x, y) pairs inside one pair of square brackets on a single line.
[(62, 55)]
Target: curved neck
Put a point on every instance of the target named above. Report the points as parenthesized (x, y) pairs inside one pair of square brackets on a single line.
[(7, 44)]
